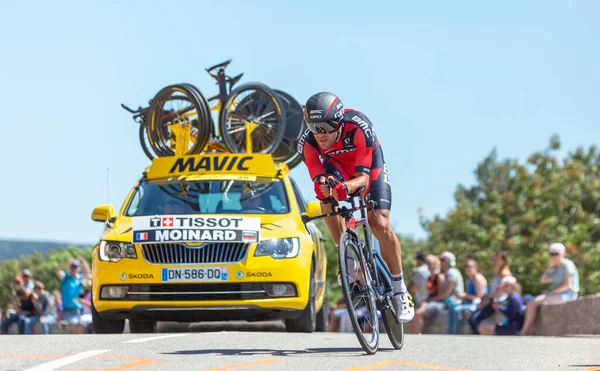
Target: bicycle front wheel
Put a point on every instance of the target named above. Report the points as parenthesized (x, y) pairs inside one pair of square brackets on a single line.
[(359, 294)]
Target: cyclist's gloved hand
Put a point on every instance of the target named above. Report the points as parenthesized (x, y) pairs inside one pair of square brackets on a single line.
[(340, 189), (321, 187)]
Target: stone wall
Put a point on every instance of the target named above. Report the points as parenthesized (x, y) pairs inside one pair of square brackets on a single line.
[(578, 317)]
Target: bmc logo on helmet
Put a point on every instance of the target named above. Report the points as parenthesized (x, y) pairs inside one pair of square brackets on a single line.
[(339, 114)]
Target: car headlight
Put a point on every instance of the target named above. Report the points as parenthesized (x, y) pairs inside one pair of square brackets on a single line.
[(115, 251), (278, 248)]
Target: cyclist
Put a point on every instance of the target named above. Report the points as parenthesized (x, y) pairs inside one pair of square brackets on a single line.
[(340, 142)]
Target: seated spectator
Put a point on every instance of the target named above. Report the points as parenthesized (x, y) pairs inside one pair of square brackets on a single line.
[(45, 309), (27, 280), (476, 288), (512, 310), (419, 278), (24, 308), (434, 282), (447, 296), (564, 277), (495, 294), (71, 286), (14, 308)]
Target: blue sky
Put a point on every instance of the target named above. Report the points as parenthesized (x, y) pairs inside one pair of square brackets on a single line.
[(443, 85)]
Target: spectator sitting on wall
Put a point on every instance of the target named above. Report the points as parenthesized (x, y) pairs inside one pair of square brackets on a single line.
[(45, 308), (71, 286), (26, 309), (14, 311), (434, 282), (563, 275), (495, 294), (447, 296), (512, 310), (419, 278), (476, 288), (27, 280)]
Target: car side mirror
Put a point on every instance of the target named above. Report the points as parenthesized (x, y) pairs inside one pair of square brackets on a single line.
[(313, 208), (104, 213)]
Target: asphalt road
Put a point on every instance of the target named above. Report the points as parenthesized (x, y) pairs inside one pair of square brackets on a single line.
[(268, 347)]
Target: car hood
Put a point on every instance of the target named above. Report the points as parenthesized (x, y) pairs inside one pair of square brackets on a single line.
[(272, 226)]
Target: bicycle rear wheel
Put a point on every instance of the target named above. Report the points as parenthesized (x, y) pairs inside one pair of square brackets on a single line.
[(359, 294), (181, 104), (393, 328), (255, 103)]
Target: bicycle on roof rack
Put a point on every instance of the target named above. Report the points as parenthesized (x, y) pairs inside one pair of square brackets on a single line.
[(366, 279), (251, 117)]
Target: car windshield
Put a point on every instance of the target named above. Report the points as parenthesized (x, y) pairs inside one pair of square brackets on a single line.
[(208, 197)]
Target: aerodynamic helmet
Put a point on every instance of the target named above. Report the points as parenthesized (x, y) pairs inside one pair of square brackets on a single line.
[(323, 113)]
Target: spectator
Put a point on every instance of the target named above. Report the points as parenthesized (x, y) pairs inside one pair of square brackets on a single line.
[(419, 278), (25, 309), (86, 300), (564, 277), (335, 313), (446, 297), (512, 310), (476, 288), (495, 294), (434, 282), (14, 311), (27, 280), (45, 309), (71, 286)]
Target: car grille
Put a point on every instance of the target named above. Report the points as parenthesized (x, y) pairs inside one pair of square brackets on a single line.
[(196, 292), (180, 253)]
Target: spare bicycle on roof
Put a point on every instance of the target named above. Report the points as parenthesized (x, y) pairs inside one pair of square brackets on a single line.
[(252, 118)]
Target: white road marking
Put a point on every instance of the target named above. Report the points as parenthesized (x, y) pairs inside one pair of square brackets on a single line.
[(143, 340), (53, 365)]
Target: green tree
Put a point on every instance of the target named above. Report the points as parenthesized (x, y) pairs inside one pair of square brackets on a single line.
[(522, 208)]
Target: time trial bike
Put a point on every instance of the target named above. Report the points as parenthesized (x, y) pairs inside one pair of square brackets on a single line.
[(365, 278)]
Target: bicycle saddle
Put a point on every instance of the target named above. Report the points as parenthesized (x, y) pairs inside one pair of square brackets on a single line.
[(210, 70)]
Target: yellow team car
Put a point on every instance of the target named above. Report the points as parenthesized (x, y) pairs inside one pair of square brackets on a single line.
[(205, 238)]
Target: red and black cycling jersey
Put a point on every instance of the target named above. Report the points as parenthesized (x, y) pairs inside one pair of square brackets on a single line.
[(357, 151)]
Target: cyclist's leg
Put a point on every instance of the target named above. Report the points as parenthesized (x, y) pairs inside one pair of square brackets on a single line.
[(380, 192)]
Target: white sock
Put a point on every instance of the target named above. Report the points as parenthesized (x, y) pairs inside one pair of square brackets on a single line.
[(398, 285)]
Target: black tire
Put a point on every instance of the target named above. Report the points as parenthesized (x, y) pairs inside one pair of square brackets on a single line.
[(253, 99), (369, 343), (393, 328), (142, 326), (307, 321), (158, 132), (294, 161), (145, 142), (287, 150), (104, 326), (323, 315)]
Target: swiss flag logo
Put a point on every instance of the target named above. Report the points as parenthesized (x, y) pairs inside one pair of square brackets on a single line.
[(167, 222)]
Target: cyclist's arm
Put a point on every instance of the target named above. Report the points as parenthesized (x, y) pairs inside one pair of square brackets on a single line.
[(362, 162), (312, 162)]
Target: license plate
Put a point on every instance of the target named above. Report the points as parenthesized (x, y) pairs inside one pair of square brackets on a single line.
[(194, 274)]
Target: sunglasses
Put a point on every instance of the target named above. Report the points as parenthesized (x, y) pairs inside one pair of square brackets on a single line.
[(554, 254), (323, 127)]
